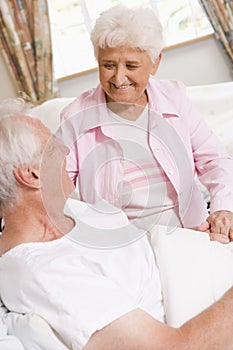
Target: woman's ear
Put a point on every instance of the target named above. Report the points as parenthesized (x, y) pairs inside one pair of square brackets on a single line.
[(156, 64), (28, 177)]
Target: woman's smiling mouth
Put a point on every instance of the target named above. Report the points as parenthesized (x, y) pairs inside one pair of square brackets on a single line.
[(122, 87)]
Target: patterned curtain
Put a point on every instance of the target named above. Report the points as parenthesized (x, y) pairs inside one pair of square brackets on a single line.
[(25, 40), (220, 14)]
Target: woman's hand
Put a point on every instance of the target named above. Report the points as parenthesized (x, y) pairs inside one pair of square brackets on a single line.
[(219, 225)]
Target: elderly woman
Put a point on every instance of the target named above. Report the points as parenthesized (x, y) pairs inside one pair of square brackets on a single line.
[(138, 142)]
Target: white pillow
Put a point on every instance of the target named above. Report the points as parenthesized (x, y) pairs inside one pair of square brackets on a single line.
[(7, 342), (30, 330), (49, 112), (195, 272)]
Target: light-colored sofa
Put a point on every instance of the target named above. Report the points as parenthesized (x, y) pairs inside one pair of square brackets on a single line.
[(186, 291), (215, 102)]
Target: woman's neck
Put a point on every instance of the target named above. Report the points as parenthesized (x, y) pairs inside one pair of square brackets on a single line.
[(127, 111), (130, 111)]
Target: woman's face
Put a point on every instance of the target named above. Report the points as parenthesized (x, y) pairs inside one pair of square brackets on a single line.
[(124, 73)]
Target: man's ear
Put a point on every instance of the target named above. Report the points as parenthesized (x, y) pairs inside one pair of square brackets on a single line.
[(28, 176), (156, 64)]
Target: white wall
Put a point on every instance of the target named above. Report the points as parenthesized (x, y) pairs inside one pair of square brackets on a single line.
[(202, 62)]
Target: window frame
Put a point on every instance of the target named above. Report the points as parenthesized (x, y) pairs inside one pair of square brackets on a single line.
[(166, 48), (87, 20)]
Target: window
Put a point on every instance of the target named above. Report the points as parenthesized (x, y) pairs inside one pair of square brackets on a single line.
[(72, 20)]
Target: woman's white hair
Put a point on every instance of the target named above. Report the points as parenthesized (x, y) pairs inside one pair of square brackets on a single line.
[(137, 27), (19, 146)]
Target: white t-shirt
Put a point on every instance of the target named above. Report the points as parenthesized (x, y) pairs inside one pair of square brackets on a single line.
[(147, 195), (79, 289)]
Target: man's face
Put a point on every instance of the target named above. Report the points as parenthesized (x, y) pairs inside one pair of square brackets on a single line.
[(54, 177), (124, 73)]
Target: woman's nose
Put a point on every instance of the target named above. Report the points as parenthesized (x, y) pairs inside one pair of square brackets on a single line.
[(120, 76)]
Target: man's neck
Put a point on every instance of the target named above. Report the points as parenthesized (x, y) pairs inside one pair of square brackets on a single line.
[(24, 226)]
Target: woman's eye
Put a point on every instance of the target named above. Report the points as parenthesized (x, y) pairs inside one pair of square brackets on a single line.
[(109, 66), (131, 66)]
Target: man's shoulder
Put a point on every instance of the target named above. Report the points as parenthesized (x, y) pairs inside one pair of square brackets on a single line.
[(102, 213), (103, 225)]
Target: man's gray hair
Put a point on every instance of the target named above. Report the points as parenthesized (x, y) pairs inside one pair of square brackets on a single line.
[(19, 147), (137, 27)]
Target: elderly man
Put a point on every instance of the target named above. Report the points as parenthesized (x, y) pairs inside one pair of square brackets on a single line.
[(97, 288)]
